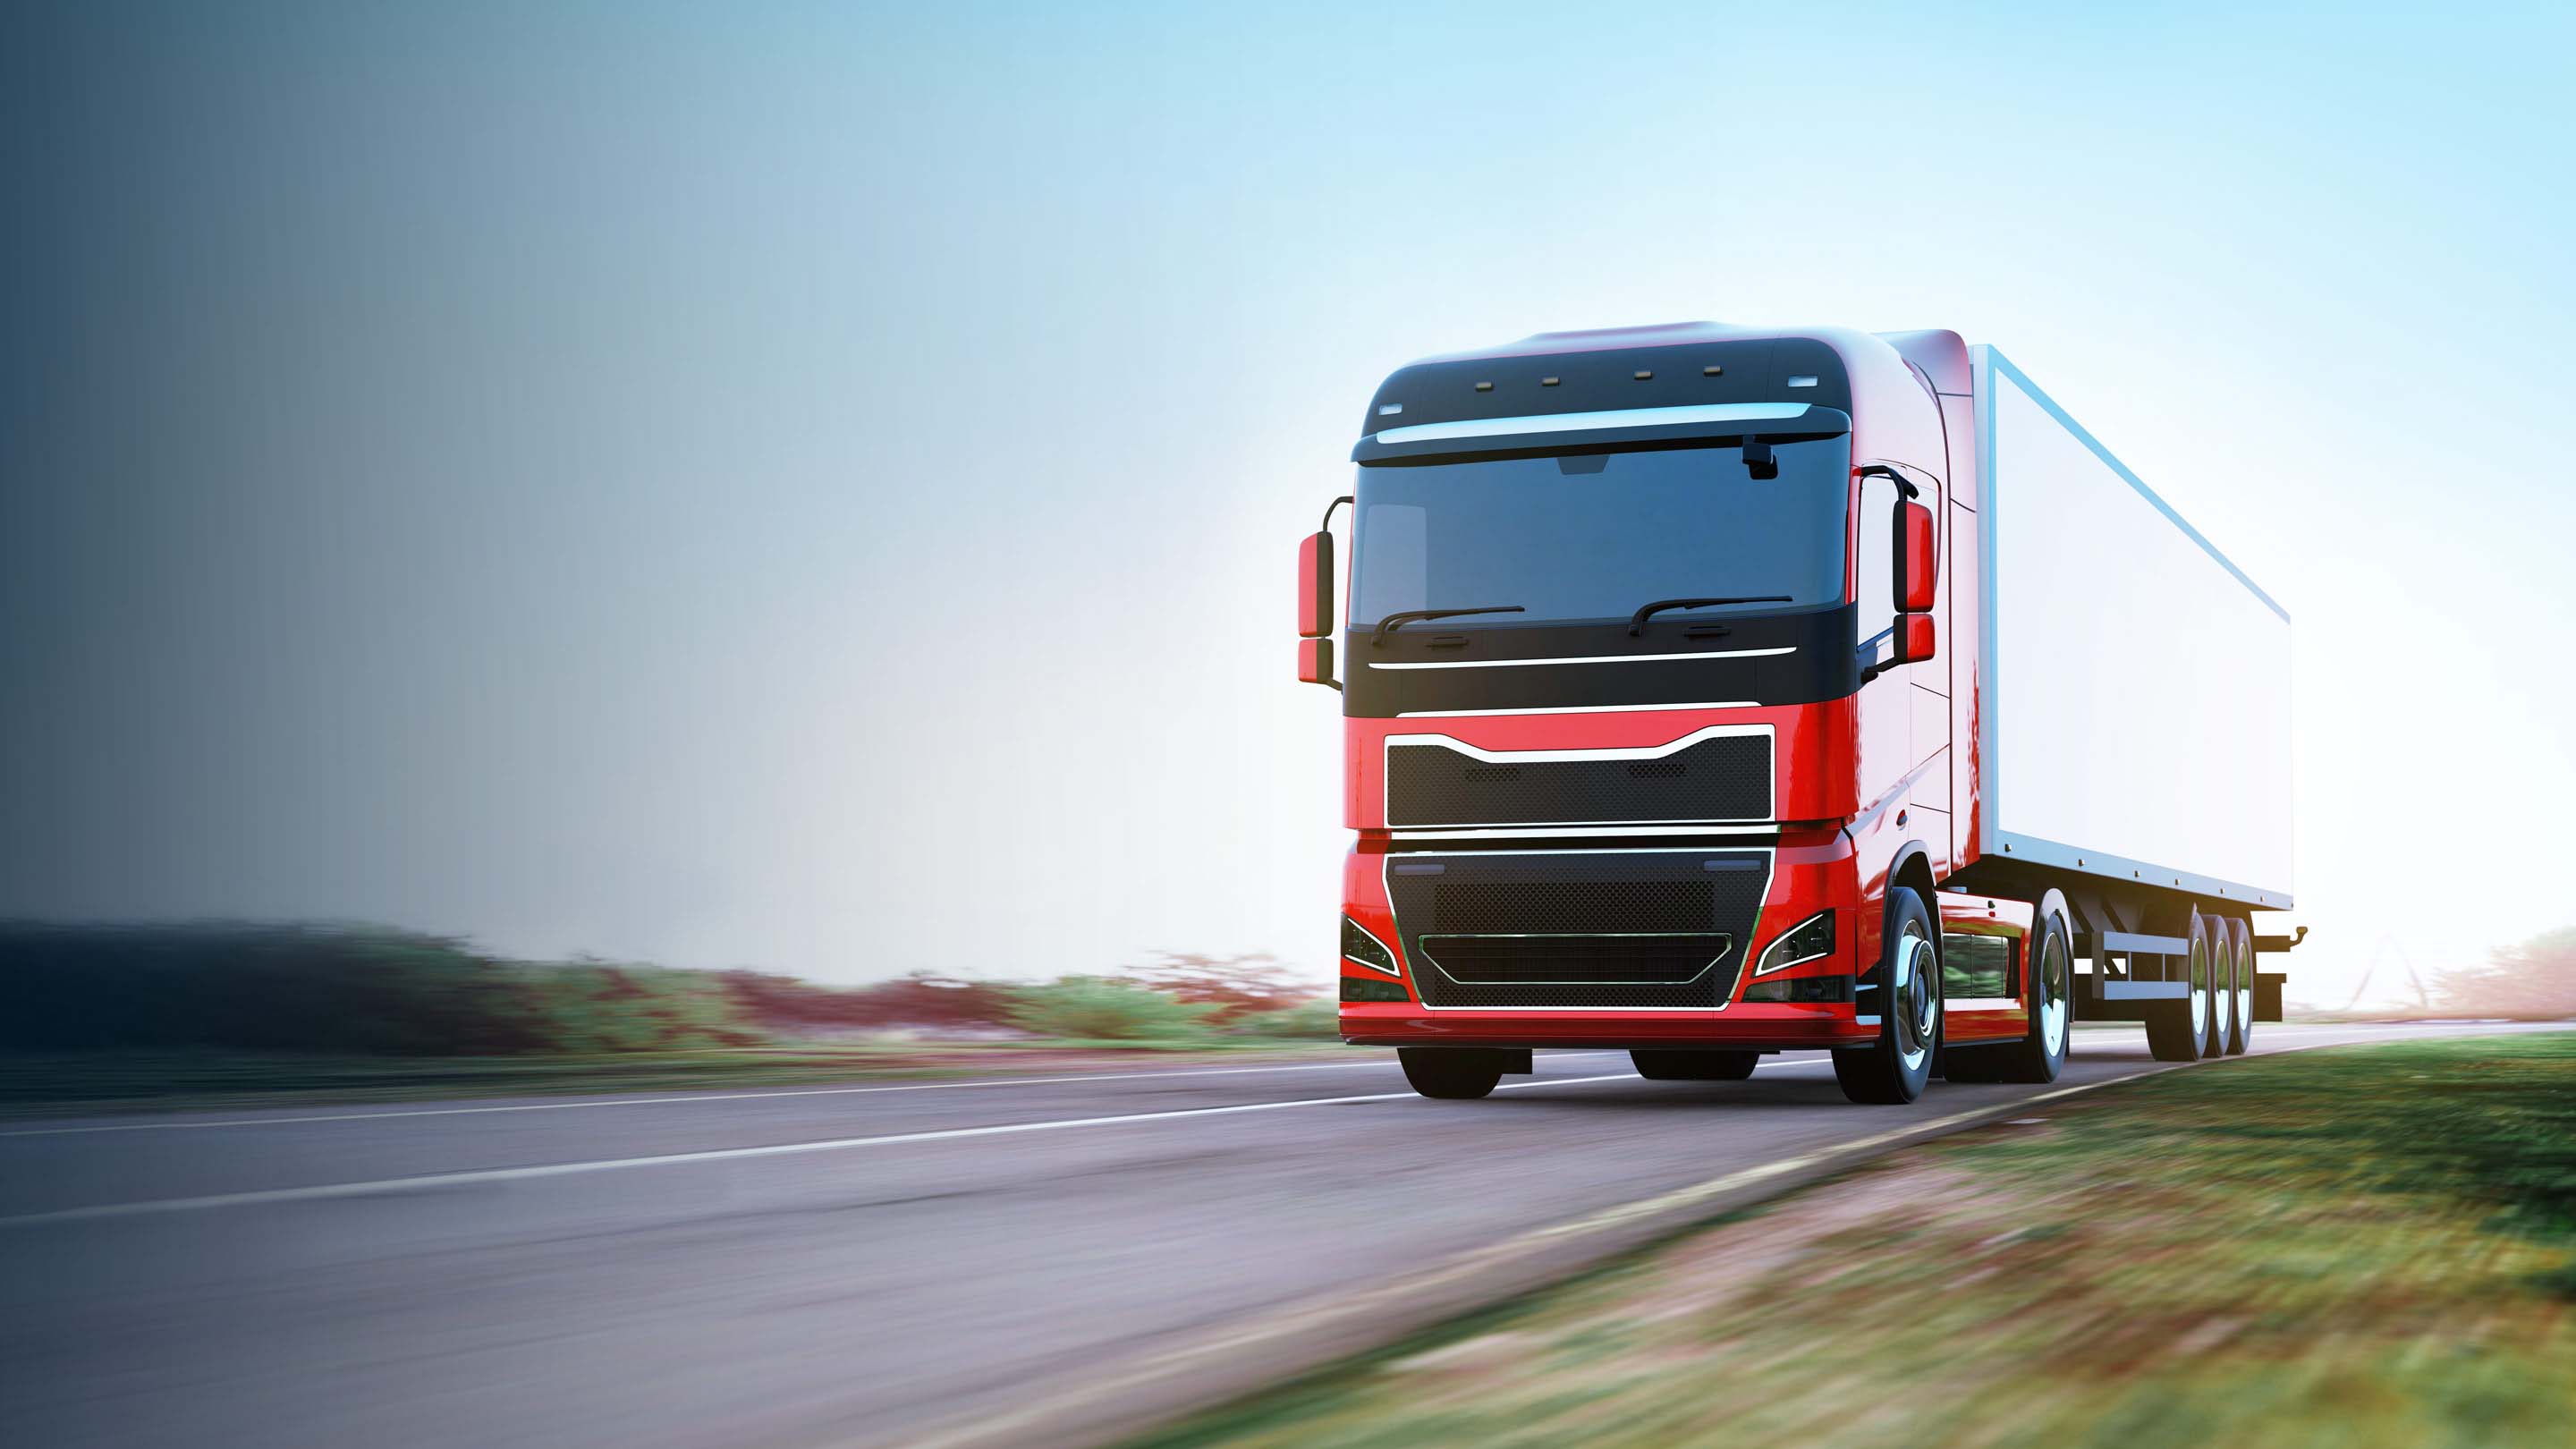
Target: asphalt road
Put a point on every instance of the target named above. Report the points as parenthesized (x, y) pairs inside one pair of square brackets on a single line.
[(801, 1266)]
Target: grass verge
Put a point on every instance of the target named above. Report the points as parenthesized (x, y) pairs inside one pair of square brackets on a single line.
[(77, 1083), (2359, 1246)]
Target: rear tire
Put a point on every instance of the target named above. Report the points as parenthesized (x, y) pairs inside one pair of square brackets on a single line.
[(2048, 960), (1895, 1068), (1664, 1065), (2213, 1028), (2177, 1030), (2240, 942), (1457, 1074)]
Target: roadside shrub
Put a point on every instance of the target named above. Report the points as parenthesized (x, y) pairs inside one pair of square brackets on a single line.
[(371, 991), (353, 990), (1104, 1008), (1306, 1021), (1236, 986), (790, 1006), (2535, 981)]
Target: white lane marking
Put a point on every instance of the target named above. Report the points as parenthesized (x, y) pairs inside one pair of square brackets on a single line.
[(719, 1154), (682, 1101)]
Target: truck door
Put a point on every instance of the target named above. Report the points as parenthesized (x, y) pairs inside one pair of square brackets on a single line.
[(1905, 712), (1885, 704)]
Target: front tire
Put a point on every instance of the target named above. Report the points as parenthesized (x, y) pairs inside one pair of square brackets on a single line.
[(1695, 1066), (1456, 1074), (1895, 1068)]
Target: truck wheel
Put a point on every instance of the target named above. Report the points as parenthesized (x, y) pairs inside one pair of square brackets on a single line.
[(2041, 1053), (1452, 1073), (1908, 997), (2213, 1032), (2240, 948), (2177, 1030), (1695, 1066), (2222, 989)]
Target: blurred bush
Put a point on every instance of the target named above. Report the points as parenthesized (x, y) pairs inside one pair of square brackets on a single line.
[(1104, 1008), (792, 1006), (371, 991), (308, 988), (1308, 1020), (1234, 986), (2535, 981)]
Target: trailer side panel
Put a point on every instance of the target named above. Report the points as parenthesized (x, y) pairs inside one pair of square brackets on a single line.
[(2135, 683)]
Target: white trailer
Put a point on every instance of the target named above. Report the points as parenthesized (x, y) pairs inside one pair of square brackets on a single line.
[(2095, 586), (2134, 693)]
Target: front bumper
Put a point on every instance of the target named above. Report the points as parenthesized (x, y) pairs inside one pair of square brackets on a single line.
[(1572, 917)]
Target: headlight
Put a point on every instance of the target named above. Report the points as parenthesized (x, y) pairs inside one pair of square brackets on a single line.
[(1809, 940), (1358, 945)]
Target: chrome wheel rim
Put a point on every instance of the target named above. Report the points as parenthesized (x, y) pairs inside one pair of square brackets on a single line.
[(2053, 989), (2244, 993), (2199, 968), (1918, 1003)]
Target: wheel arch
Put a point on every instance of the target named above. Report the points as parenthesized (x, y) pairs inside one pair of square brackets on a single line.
[(1912, 866)]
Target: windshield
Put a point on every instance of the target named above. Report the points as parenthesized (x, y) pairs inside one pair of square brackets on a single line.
[(1598, 535)]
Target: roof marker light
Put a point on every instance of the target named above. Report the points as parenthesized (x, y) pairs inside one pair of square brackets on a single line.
[(1484, 387), (1711, 371), (1549, 381), (1802, 382), (1644, 374), (1388, 410)]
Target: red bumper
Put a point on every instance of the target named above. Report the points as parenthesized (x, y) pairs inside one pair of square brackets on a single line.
[(1764, 1027), (1812, 872)]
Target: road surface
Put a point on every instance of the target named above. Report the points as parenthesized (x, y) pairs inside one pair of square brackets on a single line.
[(802, 1266)]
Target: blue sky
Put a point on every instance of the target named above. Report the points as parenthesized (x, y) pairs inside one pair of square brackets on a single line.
[(813, 486)]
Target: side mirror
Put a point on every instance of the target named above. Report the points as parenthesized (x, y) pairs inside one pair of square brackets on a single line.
[(1916, 639), (1315, 662), (1919, 560), (1315, 586), (1315, 609)]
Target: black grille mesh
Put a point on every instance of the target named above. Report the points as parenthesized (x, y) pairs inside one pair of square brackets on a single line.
[(1567, 905), (1574, 917), (1727, 778), (1574, 960)]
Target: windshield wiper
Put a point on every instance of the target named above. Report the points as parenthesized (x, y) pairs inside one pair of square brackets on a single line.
[(1393, 622), (1637, 621)]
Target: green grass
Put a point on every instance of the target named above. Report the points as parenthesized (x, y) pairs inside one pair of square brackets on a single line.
[(2366, 1246), (59, 1084)]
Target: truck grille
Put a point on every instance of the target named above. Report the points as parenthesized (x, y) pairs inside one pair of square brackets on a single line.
[(1725, 778), (1661, 928)]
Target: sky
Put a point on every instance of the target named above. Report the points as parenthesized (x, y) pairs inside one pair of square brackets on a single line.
[(814, 487)]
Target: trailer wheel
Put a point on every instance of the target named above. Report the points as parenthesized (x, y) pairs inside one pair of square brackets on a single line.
[(2222, 998), (2177, 1030), (2049, 959), (1908, 997), (2240, 944), (1452, 1073), (2222, 989), (1695, 1066)]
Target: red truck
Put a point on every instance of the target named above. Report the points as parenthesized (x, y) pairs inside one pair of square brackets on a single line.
[(1712, 691)]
